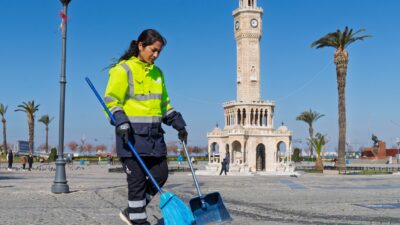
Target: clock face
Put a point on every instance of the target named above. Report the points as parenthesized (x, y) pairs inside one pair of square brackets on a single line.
[(254, 23), (237, 25)]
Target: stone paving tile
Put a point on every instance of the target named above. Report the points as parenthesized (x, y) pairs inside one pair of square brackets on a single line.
[(97, 196)]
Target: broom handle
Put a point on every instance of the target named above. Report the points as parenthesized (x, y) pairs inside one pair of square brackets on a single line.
[(191, 168), (110, 115)]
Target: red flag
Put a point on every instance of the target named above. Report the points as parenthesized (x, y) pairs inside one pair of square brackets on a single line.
[(63, 19)]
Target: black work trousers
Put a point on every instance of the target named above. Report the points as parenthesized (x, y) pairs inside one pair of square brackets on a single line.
[(140, 187)]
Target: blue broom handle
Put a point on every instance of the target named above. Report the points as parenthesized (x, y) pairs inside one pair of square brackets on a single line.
[(111, 116)]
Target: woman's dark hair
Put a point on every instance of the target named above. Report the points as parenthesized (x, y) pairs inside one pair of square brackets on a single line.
[(147, 37)]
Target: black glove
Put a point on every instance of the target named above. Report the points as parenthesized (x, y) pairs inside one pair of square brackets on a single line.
[(123, 131), (183, 135)]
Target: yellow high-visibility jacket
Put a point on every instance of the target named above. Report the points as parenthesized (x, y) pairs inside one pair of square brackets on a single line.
[(138, 89)]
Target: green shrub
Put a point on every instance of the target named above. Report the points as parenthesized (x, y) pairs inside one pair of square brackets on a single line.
[(296, 155), (53, 155)]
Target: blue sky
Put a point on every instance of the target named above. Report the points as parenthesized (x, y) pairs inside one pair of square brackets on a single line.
[(199, 63)]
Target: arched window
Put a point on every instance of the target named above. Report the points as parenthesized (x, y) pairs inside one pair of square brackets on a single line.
[(239, 117), (244, 117), (256, 118), (251, 117), (265, 120)]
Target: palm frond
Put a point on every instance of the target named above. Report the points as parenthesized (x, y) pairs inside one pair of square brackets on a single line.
[(339, 40), (3, 109), (309, 116), (45, 119)]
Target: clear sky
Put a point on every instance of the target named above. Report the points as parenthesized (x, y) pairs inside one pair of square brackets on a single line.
[(199, 63)]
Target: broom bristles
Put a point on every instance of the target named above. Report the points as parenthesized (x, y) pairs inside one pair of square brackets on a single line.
[(174, 210)]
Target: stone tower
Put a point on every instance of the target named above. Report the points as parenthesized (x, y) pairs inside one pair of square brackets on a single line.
[(249, 140), (247, 27)]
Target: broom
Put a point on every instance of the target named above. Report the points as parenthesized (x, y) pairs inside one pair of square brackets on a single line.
[(174, 210)]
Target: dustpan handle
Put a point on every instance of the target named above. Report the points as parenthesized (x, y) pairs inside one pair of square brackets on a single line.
[(191, 168), (110, 115)]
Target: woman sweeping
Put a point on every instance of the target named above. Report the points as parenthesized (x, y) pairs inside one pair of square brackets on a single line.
[(137, 97)]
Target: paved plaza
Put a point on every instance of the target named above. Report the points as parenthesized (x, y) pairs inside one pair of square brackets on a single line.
[(97, 196)]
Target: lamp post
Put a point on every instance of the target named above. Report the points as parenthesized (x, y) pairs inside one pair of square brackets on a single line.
[(60, 181)]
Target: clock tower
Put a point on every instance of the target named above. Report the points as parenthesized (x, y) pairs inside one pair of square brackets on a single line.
[(247, 27), (249, 140)]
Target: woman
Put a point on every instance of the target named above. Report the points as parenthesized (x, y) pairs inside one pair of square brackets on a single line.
[(137, 97), (23, 161)]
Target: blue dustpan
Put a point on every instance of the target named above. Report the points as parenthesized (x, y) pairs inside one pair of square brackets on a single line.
[(207, 209)]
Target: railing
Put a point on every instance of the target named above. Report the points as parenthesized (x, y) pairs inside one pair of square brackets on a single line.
[(257, 8), (234, 102), (354, 170)]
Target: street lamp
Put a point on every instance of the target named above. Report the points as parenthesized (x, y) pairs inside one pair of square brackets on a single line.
[(60, 181)]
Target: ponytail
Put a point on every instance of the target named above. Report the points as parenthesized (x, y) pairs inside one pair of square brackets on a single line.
[(132, 51)]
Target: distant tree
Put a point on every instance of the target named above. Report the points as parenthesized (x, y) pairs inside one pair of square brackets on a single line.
[(73, 146), (42, 147), (319, 142), (375, 139), (196, 149), (296, 155), (45, 119), (101, 148), (53, 155), (340, 41), (172, 147), (30, 109), (89, 148), (3, 110), (310, 117)]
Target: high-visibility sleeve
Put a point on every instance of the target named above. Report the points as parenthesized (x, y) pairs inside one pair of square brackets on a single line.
[(117, 87), (166, 107)]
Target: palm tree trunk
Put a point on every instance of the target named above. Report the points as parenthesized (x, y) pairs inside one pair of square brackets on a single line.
[(318, 164), (31, 125), (47, 139), (341, 61), (311, 133), (4, 136)]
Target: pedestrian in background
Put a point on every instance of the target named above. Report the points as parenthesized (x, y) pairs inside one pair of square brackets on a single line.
[(23, 161), (30, 161), (110, 160), (10, 160), (180, 158), (228, 159), (137, 96), (223, 166)]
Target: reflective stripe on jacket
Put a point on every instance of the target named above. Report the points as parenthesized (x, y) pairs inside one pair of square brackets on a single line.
[(138, 89)]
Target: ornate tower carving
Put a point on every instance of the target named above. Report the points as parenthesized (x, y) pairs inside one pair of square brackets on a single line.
[(247, 27)]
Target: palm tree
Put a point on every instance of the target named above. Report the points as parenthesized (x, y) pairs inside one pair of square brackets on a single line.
[(29, 108), (45, 119), (3, 110), (310, 117), (318, 142), (340, 40)]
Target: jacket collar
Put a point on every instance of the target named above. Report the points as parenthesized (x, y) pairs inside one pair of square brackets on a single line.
[(146, 67)]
